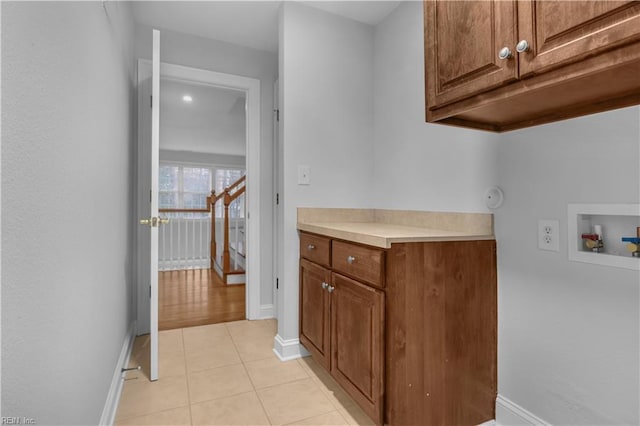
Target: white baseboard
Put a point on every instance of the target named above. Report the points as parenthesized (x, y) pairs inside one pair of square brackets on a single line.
[(508, 413), (267, 312), (288, 349), (233, 279), (113, 397)]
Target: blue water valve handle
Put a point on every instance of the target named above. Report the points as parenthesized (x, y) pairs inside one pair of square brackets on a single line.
[(635, 240)]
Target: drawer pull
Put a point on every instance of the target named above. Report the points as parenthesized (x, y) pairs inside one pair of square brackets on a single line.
[(324, 285), (311, 247), (350, 259), (330, 289)]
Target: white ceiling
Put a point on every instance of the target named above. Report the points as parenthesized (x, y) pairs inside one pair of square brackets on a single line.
[(213, 123), (247, 23)]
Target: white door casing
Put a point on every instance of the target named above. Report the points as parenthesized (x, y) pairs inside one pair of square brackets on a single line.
[(251, 87), (277, 210)]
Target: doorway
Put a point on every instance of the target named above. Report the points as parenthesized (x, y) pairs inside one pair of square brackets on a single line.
[(202, 175), (182, 258)]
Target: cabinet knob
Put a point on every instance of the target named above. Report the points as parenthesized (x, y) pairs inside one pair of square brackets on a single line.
[(522, 46), (350, 259), (505, 53), (311, 247), (330, 289), (324, 285)]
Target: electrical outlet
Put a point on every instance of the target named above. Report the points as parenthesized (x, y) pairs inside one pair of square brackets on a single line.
[(549, 235)]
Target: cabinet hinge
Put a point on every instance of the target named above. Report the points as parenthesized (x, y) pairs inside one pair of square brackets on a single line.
[(149, 292), (277, 113), (277, 198), (151, 101), (277, 283)]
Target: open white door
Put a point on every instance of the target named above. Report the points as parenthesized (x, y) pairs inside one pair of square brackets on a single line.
[(155, 221), (149, 156)]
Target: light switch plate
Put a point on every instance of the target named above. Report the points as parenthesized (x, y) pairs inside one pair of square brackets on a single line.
[(549, 235), (304, 175)]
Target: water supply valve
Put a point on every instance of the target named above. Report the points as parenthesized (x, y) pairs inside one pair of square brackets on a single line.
[(594, 241), (633, 243)]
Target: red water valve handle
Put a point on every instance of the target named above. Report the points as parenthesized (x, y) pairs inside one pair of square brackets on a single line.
[(593, 237)]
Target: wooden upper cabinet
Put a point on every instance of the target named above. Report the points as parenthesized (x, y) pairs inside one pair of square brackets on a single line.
[(561, 32), (463, 40), (569, 58)]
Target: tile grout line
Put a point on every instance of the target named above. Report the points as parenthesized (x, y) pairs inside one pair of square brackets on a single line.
[(345, 423), (327, 392), (186, 372), (255, 390), (264, 410)]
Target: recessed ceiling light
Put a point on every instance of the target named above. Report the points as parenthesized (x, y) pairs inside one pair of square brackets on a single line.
[(188, 99)]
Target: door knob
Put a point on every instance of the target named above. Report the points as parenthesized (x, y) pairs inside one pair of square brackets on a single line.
[(324, 285), (522, 46), (350, 259), (154, 222), (505, 53), (330, 289)]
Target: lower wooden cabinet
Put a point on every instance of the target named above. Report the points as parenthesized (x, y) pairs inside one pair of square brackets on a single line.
[(357, 342), (342, 325), (315, 313), (422, 349)]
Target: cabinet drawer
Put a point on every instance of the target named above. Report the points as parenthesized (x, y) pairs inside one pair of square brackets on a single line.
[(362, 263), (315, 248)]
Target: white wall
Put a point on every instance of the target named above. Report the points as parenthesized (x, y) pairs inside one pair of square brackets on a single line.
[(326, 104), (420, 166), (569, 332), (182, 49), (67, 229)]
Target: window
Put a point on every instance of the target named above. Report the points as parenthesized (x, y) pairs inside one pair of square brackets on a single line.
[(188, 186), (184, 187), (196, 186)]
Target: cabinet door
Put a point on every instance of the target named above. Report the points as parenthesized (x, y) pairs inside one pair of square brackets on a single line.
[(315, 319), (357, 342), (462, 41), (562, 32)]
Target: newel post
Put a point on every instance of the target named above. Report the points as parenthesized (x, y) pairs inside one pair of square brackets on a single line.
[(226, 257), (211, 202)]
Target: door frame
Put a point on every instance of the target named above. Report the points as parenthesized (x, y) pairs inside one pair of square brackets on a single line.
[(277, 193), (251, 87)]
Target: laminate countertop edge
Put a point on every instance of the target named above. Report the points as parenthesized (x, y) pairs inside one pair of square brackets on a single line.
[(383, 235)]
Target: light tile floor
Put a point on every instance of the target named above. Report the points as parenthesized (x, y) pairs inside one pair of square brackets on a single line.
[(227, 374)]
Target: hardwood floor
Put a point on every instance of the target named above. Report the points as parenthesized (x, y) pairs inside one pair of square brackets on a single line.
[(197, 297)]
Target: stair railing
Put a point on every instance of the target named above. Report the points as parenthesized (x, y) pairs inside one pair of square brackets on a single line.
[(182, 242), (228, 196)]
